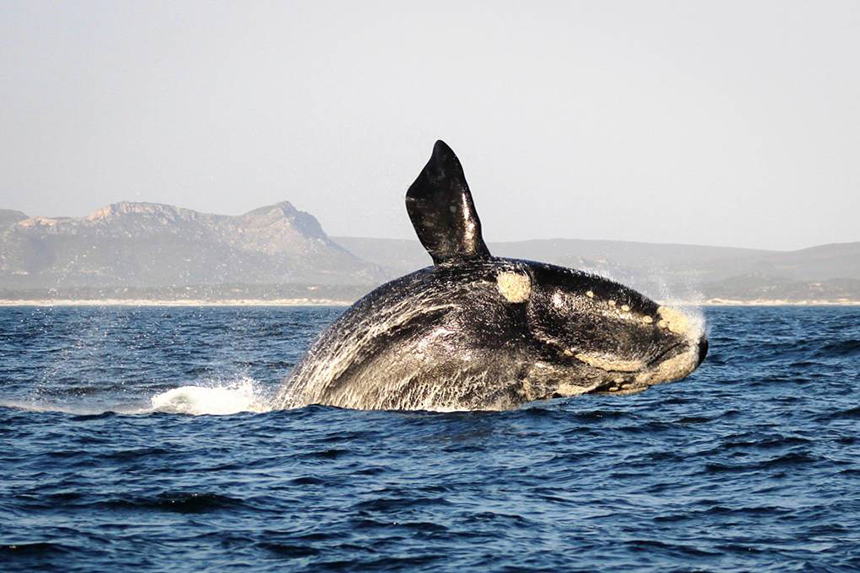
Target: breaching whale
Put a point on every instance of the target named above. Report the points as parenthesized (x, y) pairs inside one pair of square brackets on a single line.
[(477, 332)]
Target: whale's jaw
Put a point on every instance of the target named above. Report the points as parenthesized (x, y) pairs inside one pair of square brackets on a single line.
[(677, 362)]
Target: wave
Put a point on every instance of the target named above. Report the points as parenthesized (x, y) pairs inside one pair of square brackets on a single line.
[(840, 349)]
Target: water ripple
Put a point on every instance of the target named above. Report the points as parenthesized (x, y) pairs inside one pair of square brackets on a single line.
[(751, 464)]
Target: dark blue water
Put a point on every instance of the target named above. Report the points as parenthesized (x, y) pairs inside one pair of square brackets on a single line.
[(753, 463)]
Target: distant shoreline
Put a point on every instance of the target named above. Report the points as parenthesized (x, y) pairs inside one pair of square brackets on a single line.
[(177, 302), (333, 302)]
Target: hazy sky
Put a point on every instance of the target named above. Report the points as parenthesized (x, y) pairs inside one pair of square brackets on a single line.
[(723, 123)]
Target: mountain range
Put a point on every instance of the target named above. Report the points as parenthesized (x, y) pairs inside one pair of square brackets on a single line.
[(149, 250), (827, 273), (151, 245)]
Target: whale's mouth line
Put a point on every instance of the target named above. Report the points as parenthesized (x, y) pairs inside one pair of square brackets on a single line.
[(659, 358), (627, 367)]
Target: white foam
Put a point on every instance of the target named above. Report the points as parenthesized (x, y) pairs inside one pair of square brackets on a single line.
[(232, 398)]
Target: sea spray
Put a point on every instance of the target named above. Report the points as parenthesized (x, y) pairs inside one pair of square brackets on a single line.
[(244, 395)]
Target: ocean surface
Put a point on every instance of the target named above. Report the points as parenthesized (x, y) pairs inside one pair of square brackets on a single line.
[(141, 439)]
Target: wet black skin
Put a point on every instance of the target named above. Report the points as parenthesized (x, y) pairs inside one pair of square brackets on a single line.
[(448, 337), (488, 360)]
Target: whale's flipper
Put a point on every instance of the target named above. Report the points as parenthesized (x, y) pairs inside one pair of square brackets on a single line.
[(441, 209)]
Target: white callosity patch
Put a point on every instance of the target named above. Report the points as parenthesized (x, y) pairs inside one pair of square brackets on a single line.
[(609, 364), (679, 322), (685, 325), (515, 287), (570, 389), (672, 369)]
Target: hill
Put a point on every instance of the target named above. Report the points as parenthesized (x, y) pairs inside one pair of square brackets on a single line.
[(149, 251), (152, 245), (827, 273)]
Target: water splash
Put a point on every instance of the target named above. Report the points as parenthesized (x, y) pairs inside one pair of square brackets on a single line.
[(244, 395)]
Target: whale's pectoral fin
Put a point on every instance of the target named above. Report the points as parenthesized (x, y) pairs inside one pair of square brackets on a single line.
[(441, 209)]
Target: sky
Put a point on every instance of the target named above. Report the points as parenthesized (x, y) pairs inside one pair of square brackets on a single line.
[(717, 123)]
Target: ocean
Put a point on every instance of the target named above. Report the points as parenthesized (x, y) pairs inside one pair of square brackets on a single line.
[(136, 438)]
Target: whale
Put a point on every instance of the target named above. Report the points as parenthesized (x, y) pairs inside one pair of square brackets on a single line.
[(478, 332)]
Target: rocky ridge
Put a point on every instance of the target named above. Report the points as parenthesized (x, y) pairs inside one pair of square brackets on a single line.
[(156, 245)]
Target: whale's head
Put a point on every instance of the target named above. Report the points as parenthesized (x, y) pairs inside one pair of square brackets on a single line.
[(578, 332), (597, 335)]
